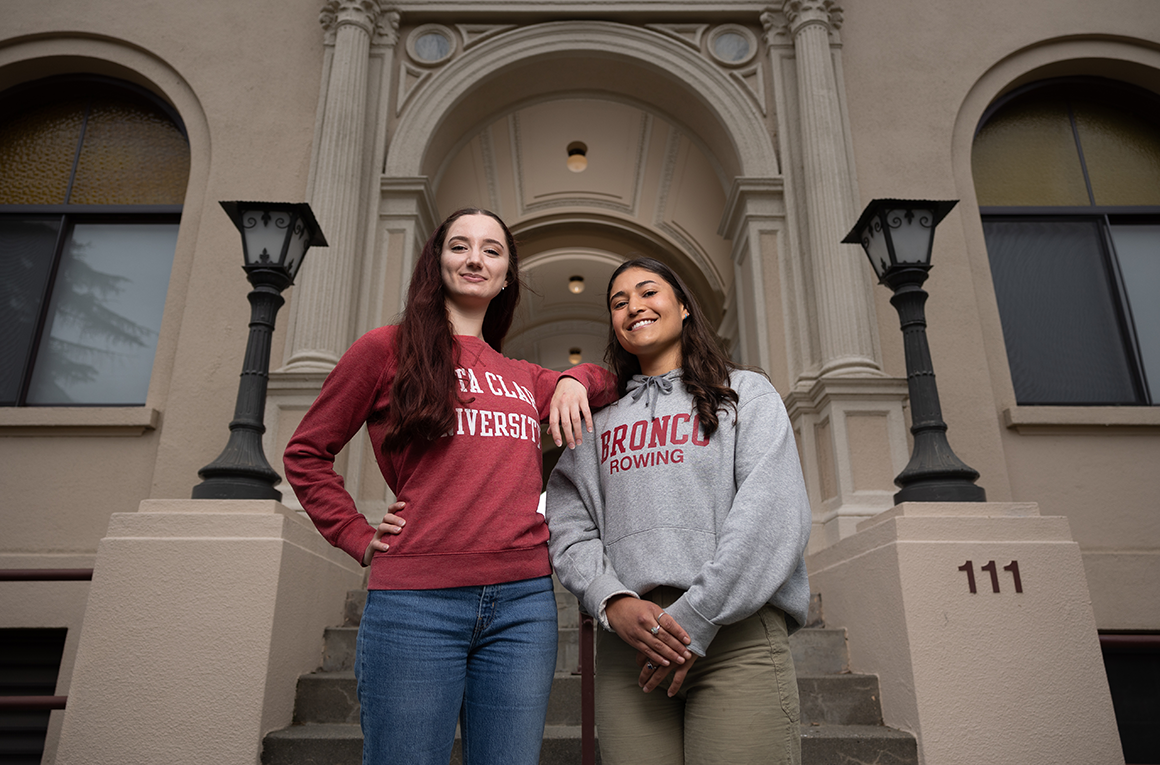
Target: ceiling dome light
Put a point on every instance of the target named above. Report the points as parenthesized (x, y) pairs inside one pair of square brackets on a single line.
[(577, 157), (574, 356), (575, 284)]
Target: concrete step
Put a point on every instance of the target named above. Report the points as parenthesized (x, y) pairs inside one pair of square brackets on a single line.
[(841, 713), (821, 745), (842, 744), (314, 745), (337, 744), (847, 699), (819, 651), (332, 698)]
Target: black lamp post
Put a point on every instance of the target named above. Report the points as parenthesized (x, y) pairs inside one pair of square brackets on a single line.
[(275, 238), (898, 236)]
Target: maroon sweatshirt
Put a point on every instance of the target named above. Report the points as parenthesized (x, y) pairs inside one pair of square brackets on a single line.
[(471, 495)]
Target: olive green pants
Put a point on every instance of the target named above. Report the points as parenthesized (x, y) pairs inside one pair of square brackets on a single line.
[(738, 704)]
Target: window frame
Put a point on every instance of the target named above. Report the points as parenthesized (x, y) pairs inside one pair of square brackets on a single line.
[(69, 215), (1103, 216)]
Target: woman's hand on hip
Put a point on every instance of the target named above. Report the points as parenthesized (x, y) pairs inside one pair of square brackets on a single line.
[(648, 629), (391, 524), (568, 412)]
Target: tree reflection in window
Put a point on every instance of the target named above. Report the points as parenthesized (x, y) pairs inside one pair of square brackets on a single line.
[(87, 237)]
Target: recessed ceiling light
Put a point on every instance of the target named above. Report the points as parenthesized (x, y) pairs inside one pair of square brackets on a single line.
[(577, 156)]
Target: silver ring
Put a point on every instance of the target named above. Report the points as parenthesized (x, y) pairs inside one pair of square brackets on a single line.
[(662, 613), (655, 630), (650, 665)]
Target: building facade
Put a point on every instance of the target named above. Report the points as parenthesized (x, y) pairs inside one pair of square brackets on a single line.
[(736, 141)]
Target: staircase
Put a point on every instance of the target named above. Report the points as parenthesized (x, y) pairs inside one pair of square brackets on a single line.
[(841, 715)]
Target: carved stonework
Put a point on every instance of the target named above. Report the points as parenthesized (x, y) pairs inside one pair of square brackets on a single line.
[(803, 13), (336, 13), (387, 29), (776, 27)]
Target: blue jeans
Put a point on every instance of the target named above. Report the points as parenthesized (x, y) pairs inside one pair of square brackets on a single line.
[(483, 655)]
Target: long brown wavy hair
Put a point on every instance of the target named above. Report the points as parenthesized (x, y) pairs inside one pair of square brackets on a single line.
[(423, 396), (704, 366)]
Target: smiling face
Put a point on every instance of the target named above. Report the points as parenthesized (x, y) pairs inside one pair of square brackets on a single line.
[(474, 263), (648, 319)]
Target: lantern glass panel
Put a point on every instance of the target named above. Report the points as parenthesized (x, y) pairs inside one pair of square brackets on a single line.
[(265, 235), (911, 231), (877, 249), (296, 250)]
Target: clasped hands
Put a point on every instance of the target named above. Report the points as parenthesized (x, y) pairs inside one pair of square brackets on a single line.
[(658, 654)]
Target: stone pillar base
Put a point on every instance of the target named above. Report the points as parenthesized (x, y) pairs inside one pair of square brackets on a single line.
[(977, 619), (852, 435), (201, 616)]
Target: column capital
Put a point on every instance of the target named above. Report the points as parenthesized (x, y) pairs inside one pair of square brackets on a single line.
[(776, 27), (387, 28), (363, 14), (750, 199), (803, 13)]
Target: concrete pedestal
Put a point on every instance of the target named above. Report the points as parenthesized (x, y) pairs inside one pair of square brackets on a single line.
[(201, 616), (978, 621)]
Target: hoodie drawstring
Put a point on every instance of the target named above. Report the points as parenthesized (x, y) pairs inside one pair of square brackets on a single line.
[(641, 385)]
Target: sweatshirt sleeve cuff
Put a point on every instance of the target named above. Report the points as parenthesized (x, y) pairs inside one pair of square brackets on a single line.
[(602, 589), (701, 630), (355, 543)]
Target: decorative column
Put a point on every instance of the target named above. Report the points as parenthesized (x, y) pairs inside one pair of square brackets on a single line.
[(325, 295), (845, 319), (848, 416)]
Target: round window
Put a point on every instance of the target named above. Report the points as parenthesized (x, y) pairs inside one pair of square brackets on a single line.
[(431, 44), (732, 45)]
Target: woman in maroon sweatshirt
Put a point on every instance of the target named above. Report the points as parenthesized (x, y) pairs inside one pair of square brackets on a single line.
[(460, 621)]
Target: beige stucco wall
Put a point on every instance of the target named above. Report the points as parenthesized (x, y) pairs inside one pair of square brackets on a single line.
[(915, 77), (247, 95), (203, 613), (912, 116), (975, 674)]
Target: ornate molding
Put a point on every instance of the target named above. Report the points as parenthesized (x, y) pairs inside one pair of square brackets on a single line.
[(752, 81), (410, 78), (628, 203), (387, 28), (776, 27), (363, 14), (803, 13), (689, 34), (473, 34)]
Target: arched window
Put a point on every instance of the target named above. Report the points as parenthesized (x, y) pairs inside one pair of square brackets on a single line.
[(92, 179), (1067, 174)]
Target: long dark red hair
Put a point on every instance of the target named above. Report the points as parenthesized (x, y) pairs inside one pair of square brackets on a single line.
[(423, 393), (704, 366)]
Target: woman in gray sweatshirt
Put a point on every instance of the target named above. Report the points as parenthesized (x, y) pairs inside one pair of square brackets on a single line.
[(682, 527)]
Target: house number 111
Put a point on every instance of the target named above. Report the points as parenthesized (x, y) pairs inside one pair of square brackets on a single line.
[(991, 569)]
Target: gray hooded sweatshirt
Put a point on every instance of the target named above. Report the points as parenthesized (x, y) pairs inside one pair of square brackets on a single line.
[(647, 500)]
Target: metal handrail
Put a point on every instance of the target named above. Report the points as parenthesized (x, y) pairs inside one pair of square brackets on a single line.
[(1129, 641), (40, 703), (587, 692), (46, 574), (32, 703)]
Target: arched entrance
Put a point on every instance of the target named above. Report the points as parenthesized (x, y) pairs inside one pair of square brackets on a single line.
[(684, 140)]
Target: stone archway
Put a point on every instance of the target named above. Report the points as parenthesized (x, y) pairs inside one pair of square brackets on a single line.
[(685, 111)]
